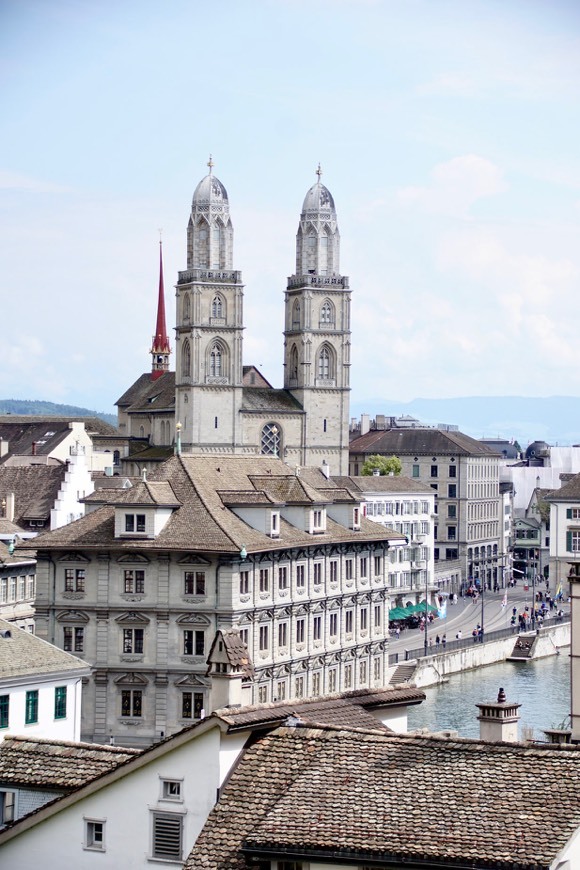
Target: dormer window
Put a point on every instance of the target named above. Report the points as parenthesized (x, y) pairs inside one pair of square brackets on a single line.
[(318, 521), (135, 523), (274, 524), (356, 518)]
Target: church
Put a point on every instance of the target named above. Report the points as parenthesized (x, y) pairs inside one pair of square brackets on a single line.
[(212, 403)]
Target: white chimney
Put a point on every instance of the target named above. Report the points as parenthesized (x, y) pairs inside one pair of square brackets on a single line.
[(365, 423), (498, 720)]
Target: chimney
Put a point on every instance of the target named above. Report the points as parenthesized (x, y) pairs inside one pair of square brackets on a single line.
[(365, 424), (33, 448), (10, 507), (325, 468), (4, 447), (498, 721)]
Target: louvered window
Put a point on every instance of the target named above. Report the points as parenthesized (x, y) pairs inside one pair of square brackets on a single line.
[(167, 836)]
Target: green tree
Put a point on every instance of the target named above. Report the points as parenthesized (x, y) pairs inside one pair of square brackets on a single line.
[(383, 464)]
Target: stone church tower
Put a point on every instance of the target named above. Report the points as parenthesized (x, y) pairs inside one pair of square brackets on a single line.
[(317, 333), (209, 325)]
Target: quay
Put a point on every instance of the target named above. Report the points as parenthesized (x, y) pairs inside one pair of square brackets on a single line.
[(467, 653)]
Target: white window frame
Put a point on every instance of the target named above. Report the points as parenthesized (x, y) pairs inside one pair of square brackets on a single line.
[(94, 839)]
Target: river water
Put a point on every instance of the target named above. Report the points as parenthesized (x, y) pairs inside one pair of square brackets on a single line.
[(542, 688)]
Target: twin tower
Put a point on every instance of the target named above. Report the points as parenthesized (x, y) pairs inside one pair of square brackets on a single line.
[(225, 407)]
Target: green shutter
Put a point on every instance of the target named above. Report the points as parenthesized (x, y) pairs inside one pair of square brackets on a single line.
[(568, 513), (568, 542)]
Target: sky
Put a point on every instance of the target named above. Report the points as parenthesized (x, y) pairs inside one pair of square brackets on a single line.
[(447, 132)]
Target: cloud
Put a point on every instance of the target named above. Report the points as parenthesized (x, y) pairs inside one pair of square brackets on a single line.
[(448, 84), (455, 186)]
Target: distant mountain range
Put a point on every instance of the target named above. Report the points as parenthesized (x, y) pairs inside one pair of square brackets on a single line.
[(26, 407), (555, 419)]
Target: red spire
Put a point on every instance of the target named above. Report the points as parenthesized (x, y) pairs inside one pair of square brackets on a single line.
[(160, 349)]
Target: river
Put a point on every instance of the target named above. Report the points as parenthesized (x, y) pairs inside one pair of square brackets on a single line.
[(542, 688)]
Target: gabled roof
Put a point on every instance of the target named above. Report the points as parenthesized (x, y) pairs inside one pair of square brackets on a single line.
[(148, 493), (35, 489), (46, 432), (228, 644), (24, 655), (344, 796), (203, 522), (405, 442), (149, 394), (56, 764)]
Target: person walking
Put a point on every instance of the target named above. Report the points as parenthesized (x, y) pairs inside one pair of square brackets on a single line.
[(444, 640)]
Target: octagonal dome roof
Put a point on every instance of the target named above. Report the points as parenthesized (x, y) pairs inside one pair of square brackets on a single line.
[(318, 198), (210, 189)]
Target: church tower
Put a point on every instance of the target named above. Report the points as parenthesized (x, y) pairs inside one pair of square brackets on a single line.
[(209, 320), (160, 348), (317, 334)]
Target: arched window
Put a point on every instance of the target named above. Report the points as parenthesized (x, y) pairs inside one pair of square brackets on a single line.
[(217, 307), (326, 313), (186, 359), (186, 307), (215, 361), (141, 431), (270, 440), (294, 363), (201, 252), (325, 363), (296, 315)]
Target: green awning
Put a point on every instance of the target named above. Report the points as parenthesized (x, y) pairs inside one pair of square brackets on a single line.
[(398, 613)]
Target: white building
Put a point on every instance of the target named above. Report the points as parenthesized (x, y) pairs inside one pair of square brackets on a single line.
[(40, 687)]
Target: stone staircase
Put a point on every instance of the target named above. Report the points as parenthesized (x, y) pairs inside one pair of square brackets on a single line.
[(523, 649), (403, 673)]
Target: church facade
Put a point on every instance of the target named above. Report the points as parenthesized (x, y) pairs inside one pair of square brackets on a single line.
[(212, 401)]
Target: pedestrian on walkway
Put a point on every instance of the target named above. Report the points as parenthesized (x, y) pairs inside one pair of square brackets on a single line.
[(437, 640), (444, 640)]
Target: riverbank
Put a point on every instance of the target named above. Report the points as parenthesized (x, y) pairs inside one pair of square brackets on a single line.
[(435, 669)]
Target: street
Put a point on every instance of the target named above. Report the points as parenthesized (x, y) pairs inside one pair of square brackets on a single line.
[(466, 615)]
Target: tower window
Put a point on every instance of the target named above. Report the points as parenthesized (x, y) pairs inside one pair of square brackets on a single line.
[(294, 363), (326, 314), (296, 315), (186, 360), (215, 361), (325, 363), (270, 440), (217, 307)]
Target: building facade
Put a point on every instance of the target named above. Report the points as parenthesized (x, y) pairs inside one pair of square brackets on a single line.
[(141, 584), (464, 474)]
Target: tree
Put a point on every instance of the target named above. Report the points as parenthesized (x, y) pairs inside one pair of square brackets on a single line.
[(382, 464)]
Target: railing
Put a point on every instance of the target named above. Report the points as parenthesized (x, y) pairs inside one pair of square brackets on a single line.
[(467, 641)]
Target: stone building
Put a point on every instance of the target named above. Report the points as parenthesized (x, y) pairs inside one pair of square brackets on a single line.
[(222, 406), (464, 473), (140, 585)]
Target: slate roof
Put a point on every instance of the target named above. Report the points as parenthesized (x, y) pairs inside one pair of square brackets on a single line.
[(235, 650), (203, 522), (17, 558), (348, 709), (35, 489), (418, 442), (383, 483), (361, 798), (56, 764), (150, 395), (267, 399), (23, 655)]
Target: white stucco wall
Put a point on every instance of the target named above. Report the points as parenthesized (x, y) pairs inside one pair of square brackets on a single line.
[(68, 728)]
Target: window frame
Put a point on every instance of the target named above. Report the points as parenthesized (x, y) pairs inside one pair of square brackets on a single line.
[(31, 707), (60, 702)]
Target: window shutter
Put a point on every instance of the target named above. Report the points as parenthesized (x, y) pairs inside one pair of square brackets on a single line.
[(568, 513), (167, 836), (568, 542)]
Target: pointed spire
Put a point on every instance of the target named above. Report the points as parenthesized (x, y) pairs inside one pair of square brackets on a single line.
[(319, 172), (160, 348), (210, 163)]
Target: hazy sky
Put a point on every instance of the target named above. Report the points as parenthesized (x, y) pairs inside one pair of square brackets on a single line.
[(448, 133)]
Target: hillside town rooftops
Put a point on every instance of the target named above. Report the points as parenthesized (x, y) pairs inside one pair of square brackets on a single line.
[(35, 488), (147, 391), (569, 491), (325, 794), (41, 763)]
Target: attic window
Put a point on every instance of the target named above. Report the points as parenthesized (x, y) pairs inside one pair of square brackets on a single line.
[(153, 399), (275, 524), (356, 518), (318, 521), (134, 522)]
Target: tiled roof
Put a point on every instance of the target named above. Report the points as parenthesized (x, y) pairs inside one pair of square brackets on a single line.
[(203, 523), (405, 442), (266, 399), (569, 491), (17, 558), (347, 709), (150, 395), (21, 431), (148, 492), (235, 649), (29, 761), (23, 654), (345, 796), (383, 483), (35, 489)]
